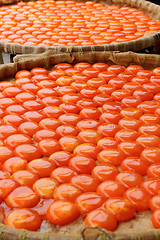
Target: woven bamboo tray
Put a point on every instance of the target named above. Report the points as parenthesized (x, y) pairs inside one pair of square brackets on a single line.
[(48, 60), (151, 9)]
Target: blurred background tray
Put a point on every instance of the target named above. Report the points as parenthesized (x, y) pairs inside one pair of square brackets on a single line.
[(152, 10)]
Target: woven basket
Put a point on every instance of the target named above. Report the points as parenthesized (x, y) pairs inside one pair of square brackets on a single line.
[(47, 60), (152, 10)]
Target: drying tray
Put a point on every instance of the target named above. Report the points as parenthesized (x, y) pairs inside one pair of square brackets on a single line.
[(151, 9), (48, 60)]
